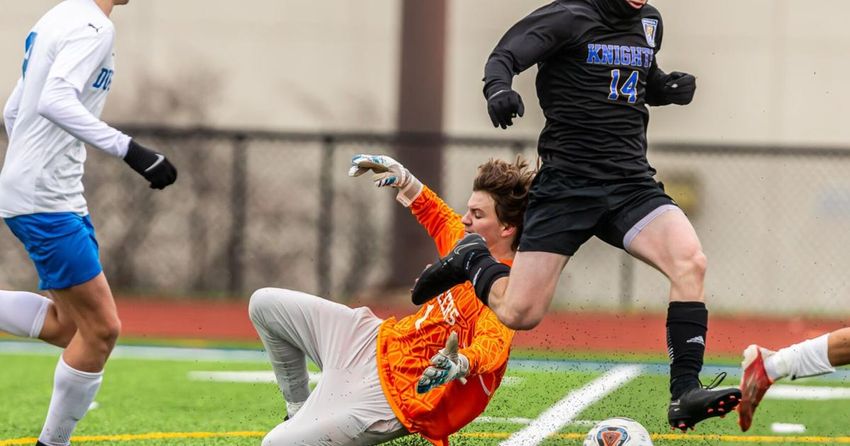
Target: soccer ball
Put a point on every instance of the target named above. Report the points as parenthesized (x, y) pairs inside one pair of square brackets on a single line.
[(618, 431)]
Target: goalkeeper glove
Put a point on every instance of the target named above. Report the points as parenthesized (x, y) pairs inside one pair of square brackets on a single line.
[(503, 106), (152, 165), (387, 172), (447, 365)]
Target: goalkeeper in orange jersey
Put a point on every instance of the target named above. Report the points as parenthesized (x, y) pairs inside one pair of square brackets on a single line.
[(383, 379)]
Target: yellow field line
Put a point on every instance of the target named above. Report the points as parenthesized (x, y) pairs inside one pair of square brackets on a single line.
[(691, 437), (571, 436), (148, 436)]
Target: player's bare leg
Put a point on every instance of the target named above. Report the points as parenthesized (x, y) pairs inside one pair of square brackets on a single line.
[(839, 347), (520, 303), (92, 309), (522, 299), (669, 243), (58, 327), (762, 367), (79, 372)]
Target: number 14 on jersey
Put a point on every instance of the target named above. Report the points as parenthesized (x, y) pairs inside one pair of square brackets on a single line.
[(629, 88)]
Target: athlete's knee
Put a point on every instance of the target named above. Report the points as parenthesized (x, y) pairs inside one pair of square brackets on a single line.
[(110, 331), (263, 300), (693, 265), (522, 321), (279, 436), (521, 315), (268, 440), (700, 263), (102, 336)]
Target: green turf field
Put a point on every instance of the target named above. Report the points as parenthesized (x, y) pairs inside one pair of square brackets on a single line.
[(157, 402)]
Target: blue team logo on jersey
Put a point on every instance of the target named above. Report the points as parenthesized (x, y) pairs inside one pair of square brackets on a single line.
[(104, 79), (650, 26), (28, 45)]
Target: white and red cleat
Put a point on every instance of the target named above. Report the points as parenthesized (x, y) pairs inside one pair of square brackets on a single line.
[(754, 383)]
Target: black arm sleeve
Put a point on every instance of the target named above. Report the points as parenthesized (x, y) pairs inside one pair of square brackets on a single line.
[(654, 86), (657, 76), (528, 42)]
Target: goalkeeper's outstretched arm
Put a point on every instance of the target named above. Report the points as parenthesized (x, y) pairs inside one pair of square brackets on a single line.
[(441, 221)]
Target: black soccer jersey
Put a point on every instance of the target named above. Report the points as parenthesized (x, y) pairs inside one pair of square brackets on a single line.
[(591, 84)]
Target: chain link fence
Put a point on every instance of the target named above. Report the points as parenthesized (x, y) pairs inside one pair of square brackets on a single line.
[(254, 209)]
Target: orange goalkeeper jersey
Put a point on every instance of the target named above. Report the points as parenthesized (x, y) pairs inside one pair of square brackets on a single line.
[(406, 346)]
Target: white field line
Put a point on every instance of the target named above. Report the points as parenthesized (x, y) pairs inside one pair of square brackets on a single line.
[(787, 428), (506, 420), (787, 392), (8, 346), (146, 352), (563, 412), (508, 381)]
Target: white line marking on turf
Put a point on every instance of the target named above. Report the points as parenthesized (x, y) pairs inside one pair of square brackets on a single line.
[(787, 428), (248, 355), (506, 420), (564, 411), (508, 381), (786, 392), (146, 352), (244, 377)]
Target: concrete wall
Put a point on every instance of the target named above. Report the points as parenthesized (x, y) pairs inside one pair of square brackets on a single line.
[(770, 71)]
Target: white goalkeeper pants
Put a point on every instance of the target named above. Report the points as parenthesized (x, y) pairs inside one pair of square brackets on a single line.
[(348, 406)]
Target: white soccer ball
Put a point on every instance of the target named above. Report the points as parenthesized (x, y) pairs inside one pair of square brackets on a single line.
[(618, 431)]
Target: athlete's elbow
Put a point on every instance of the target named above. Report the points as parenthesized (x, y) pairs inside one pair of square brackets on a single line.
[(46, 108), (9, 113)]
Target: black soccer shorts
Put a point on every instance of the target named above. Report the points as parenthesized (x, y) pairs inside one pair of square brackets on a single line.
[(564, 212)]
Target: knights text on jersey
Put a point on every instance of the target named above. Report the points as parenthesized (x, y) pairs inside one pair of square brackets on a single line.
[(405, 346), (43, 168), (591, 84)]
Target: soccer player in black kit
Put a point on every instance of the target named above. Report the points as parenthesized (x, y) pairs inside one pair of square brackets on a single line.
[(597, 75)]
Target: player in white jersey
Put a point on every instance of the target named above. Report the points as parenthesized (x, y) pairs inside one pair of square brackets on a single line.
[(66, 74)]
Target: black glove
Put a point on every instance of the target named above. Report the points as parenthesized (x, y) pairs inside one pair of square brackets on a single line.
[(679, 88), (151, 165), (503, 106)]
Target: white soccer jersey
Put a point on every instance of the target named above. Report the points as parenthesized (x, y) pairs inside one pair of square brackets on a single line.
[(66, 74)]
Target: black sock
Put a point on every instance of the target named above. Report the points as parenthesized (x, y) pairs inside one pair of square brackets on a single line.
[(482, 271), (687, 324)]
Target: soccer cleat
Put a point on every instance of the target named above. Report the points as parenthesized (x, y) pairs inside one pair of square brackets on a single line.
[(754, 383), (702, 402), (449, 270)]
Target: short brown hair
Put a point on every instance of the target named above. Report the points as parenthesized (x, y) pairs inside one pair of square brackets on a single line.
[(508, 184)]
